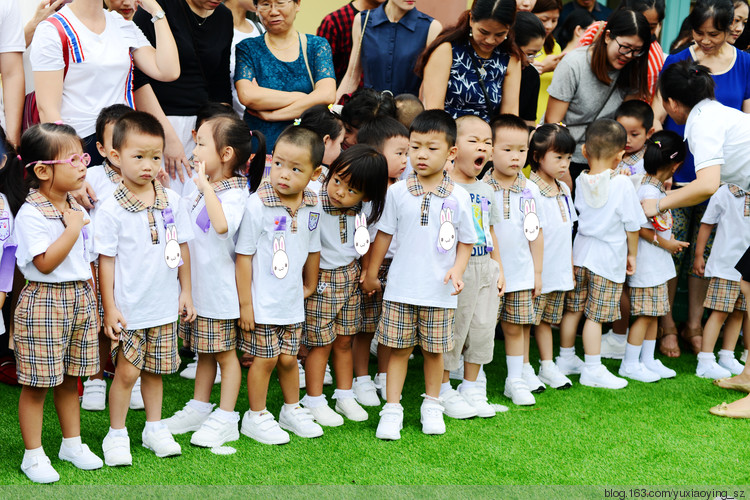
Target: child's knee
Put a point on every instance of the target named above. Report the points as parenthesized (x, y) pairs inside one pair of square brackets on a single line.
[(287, 362), (343, 343)]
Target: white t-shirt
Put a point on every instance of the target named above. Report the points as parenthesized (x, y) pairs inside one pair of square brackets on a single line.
[(654, 265), (557, 270), (35, 233), (719, 135), (237, 38), (212, 258), (99, 72), (732, 233), (335, 253), (278, 301), (102, 184), (146, 289), (418, 268), (601, 244), (11, 37), (7, 239)]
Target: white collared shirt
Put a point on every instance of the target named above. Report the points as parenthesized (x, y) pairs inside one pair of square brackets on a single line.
[(654, 265), (732, 234)]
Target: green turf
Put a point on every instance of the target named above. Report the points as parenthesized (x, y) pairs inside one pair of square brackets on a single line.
[(645, 434)]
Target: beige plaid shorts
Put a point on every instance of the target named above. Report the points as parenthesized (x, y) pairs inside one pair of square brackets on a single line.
[(153, 349), (598, 297), (209, 335), (406, 325), (549, 307), (649, 301), (269, 341), (335, 307), (725, 296)]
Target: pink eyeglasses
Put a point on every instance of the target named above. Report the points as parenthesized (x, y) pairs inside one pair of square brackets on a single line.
[(75, 159)]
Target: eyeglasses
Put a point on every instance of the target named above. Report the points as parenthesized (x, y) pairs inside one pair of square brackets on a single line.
[(626, 50), (265, 5), (76, 159)]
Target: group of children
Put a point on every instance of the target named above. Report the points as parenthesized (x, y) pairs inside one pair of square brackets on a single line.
[(406, 236)]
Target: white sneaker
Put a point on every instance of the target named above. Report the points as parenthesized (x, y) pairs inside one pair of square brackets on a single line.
[(263, 428), (553, 377), (327, 378), (161, 442), (374, 347), (731, 364), (300, 421), (658, 367), (215, 432), (517, 390), (455, 406), (529, 376), (712, 369), (82, 457), (186, 420), (366, 392), (638, 372), (570, 365), (94, 395), (612, 347), (136, 398), (349, 408), (39, 469), (482, 381), (379, 381), (600, 377), (217, 379), (189, 371), (301, 369), (116, 450), (432, 417), (391, 422), (323, 415), (476, 398)]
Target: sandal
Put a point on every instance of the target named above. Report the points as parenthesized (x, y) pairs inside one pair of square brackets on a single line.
[(723, 410), (694, 337), (727, 383), (670, 348)]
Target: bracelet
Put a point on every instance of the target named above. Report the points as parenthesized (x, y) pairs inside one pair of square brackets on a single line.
[(157, 16), (658, 208)]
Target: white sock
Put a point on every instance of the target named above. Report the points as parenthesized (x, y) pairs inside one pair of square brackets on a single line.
[(706, 358), (36, 452), (567, 352), (647, 351), (200, 406), (314, 401), (153, 426), (515, 366), (343, 394), (118, 432), (74, 442), (468, 384), (592, 360), (620, 338), (726, 354), (546, 364), (396, 406), (227, 416), (255, 413), (632, 354), (445, 387), (292, 406), (364, 378)]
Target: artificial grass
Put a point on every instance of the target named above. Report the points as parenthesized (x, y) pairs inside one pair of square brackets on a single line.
[(656, 433)]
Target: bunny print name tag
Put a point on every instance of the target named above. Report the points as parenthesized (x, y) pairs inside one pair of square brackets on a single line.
[(530, 218), (172, 252), (361, 234), (447, 233), (280, 259)]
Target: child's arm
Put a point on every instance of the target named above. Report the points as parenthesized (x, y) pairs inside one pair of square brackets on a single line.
[(699, 264), (57, 252), (310, 273), (495, 255), (672, 246), (456, 273), (114, 321), (243, 275), (537, 255), (364, 262), (632, 251), (213, 205), (186, 309), (377, 252)]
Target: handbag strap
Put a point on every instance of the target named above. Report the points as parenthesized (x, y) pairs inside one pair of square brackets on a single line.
[(65, 42), (612, 88), (303, 44)]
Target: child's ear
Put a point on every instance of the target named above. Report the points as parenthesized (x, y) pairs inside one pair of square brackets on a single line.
[(316, 173), (650, 132), (585, 153), (100, 148), (195, 136), (42, 171), (114, 156), (620, 155), (676, 166), (452, 153), (326, 139), (227, 154)]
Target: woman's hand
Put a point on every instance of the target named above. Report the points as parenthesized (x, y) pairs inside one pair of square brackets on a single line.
[(150, 6), (548, 64)]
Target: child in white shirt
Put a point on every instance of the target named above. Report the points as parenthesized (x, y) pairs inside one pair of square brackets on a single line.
[(637, 118)]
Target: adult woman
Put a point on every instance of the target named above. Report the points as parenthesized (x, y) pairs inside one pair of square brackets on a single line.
[(474, 67), (741, 12), (570, 31), (243, 28), (591, 82), (529, 33), (282, 73), (711, 21), (548, 12), (386, 51), (100, 66)]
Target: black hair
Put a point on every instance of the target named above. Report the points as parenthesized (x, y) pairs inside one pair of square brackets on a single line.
[(366, 170), (12, 184), (550, 137), (686, 82), (507, 121), (528, 27), (408, 106), (639, 110), (605, 138), (135, 122), (108, 115), (721, 12), (210, 110), (644, 5), (306, 139), (436, 120), (377, 131), (44, 142), (664, 149), (365, 104), (231, 131), (323, 120), (566, 30)]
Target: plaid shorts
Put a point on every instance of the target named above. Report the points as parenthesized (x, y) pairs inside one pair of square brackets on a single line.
[(405, 325), (335, 307), (373, 304), (56, 333), (209, 335), (268, 341), (549, 307), (598, 297), (100, 307), (518, 307), (153, 349), (649, 301), (725, 296)]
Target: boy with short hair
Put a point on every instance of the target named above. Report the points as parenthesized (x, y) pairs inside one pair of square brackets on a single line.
[(408, 107), (637, 118), (521, 245), (431, 218), (604, 251), (391, 139), (144, 274)]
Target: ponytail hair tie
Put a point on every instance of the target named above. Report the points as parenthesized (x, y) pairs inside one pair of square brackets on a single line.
[(658, 143), (58, 122), (19, 158), (297, 122), (251, 134)]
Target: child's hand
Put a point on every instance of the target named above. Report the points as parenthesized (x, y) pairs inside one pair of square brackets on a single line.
[(186, 309), (457, 279), (201, 181), (86, 197), (699, 265), (247, 318), (114, 323), (163, 177), (630, 270), (501, 285), (624, 171), (674, 246), (308, 290), (371, 284), (537, 285), (74, 219)]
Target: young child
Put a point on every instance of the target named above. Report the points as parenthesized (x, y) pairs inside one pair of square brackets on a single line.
[(484, 282), (55, 320), (322, 120), (408, 107), (278, 258), (144, 275), (604, 252), (521, 247), (391, 139), (550, 152), (649, 300), (729, 210), (222, 150), (431, 219), (352, 198)]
